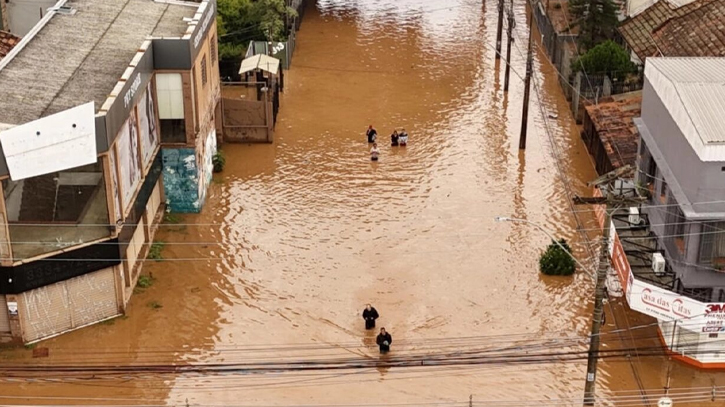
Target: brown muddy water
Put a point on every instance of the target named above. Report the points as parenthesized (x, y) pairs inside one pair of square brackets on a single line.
[(297, 236)]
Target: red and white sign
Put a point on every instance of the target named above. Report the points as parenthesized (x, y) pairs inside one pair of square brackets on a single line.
[(669, 306)]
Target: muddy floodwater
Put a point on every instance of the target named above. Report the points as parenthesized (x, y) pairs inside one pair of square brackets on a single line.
[(299, 235)]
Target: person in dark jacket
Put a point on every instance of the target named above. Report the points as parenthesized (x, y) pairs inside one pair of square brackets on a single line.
[(372, 134), (370, 314), (384, 340), (394, 138)]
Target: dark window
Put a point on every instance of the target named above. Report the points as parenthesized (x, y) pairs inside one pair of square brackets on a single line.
[(721, 298), (663, 191), (212, 45), (712, 244), (203, 71), (173, 131), (713, 336)]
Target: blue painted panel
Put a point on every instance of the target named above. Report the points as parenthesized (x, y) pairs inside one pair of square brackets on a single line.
[(181, 180)]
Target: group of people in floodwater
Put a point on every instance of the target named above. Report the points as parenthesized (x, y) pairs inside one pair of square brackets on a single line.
[(384, 339), (396, 139)]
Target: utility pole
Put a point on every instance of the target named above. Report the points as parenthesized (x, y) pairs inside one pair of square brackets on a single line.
[(527, 88), (509, 32), (499, 29), (613, 201)]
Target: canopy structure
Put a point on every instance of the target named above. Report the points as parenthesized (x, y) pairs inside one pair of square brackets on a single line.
[(260, 61)]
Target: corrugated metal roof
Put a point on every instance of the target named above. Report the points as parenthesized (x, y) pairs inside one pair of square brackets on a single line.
[(693, 90), (260, 61)]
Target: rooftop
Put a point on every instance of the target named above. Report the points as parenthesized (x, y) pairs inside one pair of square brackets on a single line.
[(638, 30), (77, 58), (693, 90), (701, 32), (7, 42), (613, 123)]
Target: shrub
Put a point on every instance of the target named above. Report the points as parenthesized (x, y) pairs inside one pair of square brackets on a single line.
[(155, 251), (219, 161), (555, 261)]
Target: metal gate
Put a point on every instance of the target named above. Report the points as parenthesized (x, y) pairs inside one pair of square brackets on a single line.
[(4, 322), (68, 305)]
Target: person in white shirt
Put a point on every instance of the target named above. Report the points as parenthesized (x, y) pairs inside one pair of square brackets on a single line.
[(374, 152), (403, 138)]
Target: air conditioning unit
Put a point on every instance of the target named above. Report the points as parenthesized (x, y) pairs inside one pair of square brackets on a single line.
[(658, 264), (634, 218)]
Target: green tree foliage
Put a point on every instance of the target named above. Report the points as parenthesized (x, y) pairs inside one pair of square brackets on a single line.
[(596, 19), (557, 262), (606, 58), (241, 21)]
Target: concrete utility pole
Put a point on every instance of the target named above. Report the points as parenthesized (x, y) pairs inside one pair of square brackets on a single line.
[(613, 201), (509, 32), (499, 29), (527, 88)]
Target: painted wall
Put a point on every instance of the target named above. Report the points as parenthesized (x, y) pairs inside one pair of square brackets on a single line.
[(181, 180), (207, 95), (699, 181)]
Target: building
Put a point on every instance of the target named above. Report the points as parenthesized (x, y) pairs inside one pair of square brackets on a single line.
[(7, 42), (21, 15), (634, 7), (676, 29), (609, 132), (670, 255), (84, 114)]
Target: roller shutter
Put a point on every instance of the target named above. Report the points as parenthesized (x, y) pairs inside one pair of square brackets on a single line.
[(4, 322), (92, 297), (68, 305), (44, 311)]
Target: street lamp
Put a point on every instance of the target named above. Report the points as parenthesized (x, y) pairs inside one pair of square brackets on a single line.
[(546, 232)]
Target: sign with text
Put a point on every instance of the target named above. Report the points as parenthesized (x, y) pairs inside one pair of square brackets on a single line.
[(666, 305)]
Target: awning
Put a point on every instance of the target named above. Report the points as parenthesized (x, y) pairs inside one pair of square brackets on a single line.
[(260, 61)]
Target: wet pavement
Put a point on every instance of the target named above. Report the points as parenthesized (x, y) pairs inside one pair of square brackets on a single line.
[(297, 236)]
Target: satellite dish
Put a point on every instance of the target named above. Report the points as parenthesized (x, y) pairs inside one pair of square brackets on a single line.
[(664, 402)]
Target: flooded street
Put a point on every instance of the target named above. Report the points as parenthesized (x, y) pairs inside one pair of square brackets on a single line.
[(299, 235)]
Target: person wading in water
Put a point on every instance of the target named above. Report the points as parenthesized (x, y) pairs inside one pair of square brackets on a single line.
[(394, 138), (371, 133), (370, 314), (384, 340), (374, 152)]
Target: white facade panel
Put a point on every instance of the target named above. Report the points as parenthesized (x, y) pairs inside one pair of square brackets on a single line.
[(54, 143)]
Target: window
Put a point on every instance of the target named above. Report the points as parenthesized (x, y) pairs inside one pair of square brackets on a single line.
[(203, 71), (170, 97), (56, 210), (663, 192), (676, 225), (712, 245), (212, 46)]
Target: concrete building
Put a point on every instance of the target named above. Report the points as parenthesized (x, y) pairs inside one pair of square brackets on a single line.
[(22, 15), (88, 99), (670, 255)]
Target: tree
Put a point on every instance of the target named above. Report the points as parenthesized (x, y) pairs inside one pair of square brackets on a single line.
[(606, 58), (241, 21), (596, 19), (272, 16), (557, 262)]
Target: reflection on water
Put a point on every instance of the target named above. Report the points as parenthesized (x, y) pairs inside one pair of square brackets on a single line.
[(297, 235)]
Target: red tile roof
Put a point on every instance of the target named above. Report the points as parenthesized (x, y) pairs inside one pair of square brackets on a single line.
[(612, 119), (699, 33), (7, 42), (638, 30)]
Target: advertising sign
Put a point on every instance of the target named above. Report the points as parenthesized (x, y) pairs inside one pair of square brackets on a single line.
[(669, 306)]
